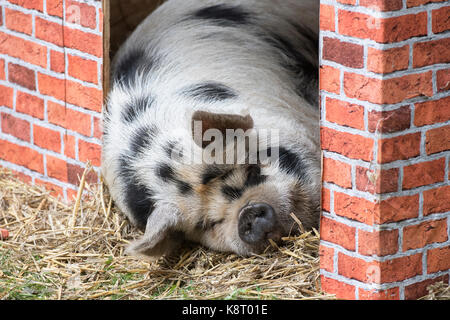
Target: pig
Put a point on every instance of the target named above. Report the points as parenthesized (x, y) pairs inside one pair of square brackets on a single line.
[(211, 127)]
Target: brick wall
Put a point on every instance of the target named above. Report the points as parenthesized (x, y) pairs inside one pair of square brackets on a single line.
[(51, 92), (385, 128)]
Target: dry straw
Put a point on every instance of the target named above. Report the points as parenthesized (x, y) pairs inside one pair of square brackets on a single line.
[(61, 251)]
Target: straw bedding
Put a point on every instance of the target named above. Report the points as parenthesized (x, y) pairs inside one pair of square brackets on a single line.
[(60, 251)]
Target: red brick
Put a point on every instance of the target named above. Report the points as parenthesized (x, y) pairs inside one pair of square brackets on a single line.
[(337, 172), (330, 79), (81, 13), (443, 80), (6, 96), (55, 191), (55, 8), (52, 86), (57, 168), (98, 128), (85, 97), (423, 174), (88, 151), (16, 127), (326, 258), (19, 21), (352, 2), (387, 61), (47, 138), (49, 31), (390, 121), (354, 208), (337, 233), (326, 199), (441, 21), (22, 156), (83, 69), (22, 76), (345, 53), (388, 91), (377, 181), (69, 119), (379, 243), (349, 145), (359, 269), (436, 200), (400, 269), (438, 260), (438, 140), (83, 41), (432, 112), (70, 146), (30, 4), (431, 52), (397, 209), (418, 236), (27, 51), (2, 68), (419, 289), (399, 148), (345, 113), (342, 290), (382, 5), (57, 61), (76, 172), (29, 104), (327, 18), (388, 294), (415, 3), (384, 30)]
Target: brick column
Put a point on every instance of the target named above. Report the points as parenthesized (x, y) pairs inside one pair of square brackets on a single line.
[(51, 93), (385, 130)]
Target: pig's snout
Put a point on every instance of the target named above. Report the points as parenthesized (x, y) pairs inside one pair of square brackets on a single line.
[(258, 222)]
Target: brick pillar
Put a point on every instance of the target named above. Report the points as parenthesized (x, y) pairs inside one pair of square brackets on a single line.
[(385, 130), (51, 93)]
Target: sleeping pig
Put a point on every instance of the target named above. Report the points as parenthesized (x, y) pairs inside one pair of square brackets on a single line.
[(211, 129)]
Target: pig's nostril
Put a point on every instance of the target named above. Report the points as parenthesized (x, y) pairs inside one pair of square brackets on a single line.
[(255, 222)]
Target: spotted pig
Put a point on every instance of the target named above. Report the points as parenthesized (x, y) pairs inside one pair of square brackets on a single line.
[(211, 128)]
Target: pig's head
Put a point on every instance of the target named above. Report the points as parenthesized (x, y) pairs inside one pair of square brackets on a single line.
[(241, 194)]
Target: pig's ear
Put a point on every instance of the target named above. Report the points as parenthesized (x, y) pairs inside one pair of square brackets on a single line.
[(203, 121), (160, 235)]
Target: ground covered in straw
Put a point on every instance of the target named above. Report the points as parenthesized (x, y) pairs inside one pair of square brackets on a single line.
[(60, 251)]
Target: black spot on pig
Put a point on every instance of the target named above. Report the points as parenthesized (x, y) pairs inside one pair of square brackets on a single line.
[(223, 15), (183, 187), (167, 174), (136, 107), (173, 150), (142, 139), (254, 176), (210, 91), (131, 64), (211, 173), (294, 61), (292, 163), (231, 193), (138, 197)]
